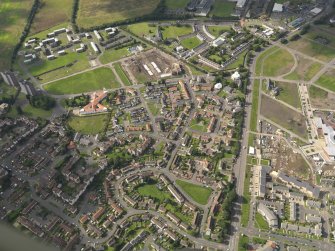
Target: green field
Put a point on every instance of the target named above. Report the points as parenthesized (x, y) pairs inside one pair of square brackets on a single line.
[(254, 107), (123, 76), (31, 111), (305, 70), (143, 29), (327, 80), (199, 125), (85, 82), (191, 42), (246, 197), (51, 13), (261, 57), (317, 93), (260, 222), (218, 30), (176, 4), (198, 193), (222, 8), (13, 16), (6, 91), (278, 63), (94, 13), (239, 61), (88, 125), (289, 94), (175, 31), (113, 55), (154, 107), (151, 190)]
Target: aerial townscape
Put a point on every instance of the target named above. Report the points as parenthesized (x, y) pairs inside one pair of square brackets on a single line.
[(167, 125)]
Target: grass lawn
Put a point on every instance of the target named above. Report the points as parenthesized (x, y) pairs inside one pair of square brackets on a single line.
[(239, 61), (218, 30), (94, 13), (154, 107), (199, 194), (6, 91), (123, 76), (176, 31), (113, 55), (289, 94), (254, 107), (176, 4), (243, 243), (261, 57), (191, 42), (199, 126), (31, 111), (85, 82), (278, 63), (88, 125), (246, 198), (260, 222), (142, 29), (51, 13), (327, 80), (151, 190), (305, 70), (13, 19), (222, 8)]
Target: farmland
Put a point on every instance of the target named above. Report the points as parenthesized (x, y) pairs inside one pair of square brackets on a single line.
[(13, 19), (84, 82), (198, 193), (94, 13)]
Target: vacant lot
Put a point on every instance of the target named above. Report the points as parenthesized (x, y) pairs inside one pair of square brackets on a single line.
[(222, 8), (85, 82), (283, 116), (191, 42), (93, 13), (327, 80), (51, 13), (199, 194), (277, 63), (13, 17), (289, 94), (321, 99), (305, 70), (88, 125), (218, 30)]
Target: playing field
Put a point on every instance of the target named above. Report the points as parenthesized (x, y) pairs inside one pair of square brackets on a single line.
[(277, 63), (13, 17), (327, 80), (222, 8), (51, 13), (218, 30), (284, 116), (199, 194), (94, 13), (85, 82), (305, 70), (191, 42), (88, 125)]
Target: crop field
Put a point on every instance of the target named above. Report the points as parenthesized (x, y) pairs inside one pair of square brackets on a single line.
[(191, 42), (222, 8), (277, 63), (94, 13), (305, 70), (88, 125), (283, 116), (199, 194), (289, 94), (13, 16), (218, 30), (320, 98), (50, 14), (85, 82), (327, 80), (123, 76), (175, 31), (176, 4)]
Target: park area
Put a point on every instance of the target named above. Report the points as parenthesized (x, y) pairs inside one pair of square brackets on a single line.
[(95, 13), (198, 193), (88, 125), (191, 42), (174, 31), (327, 80), (84, 82), (152, 191), (289, 94), (13, 20), (218, 30), (305, 70), (284, 116)]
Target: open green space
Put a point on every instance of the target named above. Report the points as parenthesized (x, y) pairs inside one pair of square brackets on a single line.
[(6, 91), (198, 193), (123, 76), (315, 92), (143, 29), (94, 13), (289, 94), (254, 107), (51, 13), (246, 197), (34, 112), (277, 63), (222, 8), (327, 80), (199, 125), (154, 107), (88, 125), (191, 42), (260, 222), (85, 82), (151, 191), (176, 4), (305, 70), (113, 55), (175, 31), (261, 57), (218, 30), (243, 243), (239, 61), (13, 17)]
